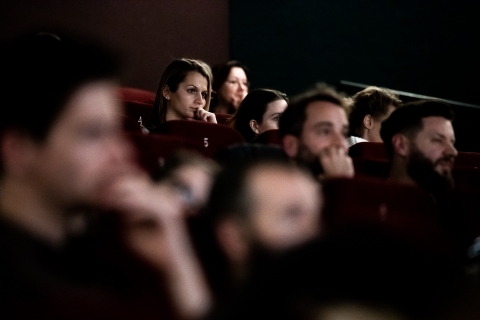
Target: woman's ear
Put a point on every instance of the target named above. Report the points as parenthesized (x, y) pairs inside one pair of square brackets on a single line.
[(166, 92), (368, 122), (254, 126)]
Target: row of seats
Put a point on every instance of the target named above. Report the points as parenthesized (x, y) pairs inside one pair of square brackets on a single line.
[(376, 150), (382, 205), (369, 199), (138, 105), (171, 136)]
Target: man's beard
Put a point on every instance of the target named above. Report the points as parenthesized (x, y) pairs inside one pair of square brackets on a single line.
[(422, 171), (310, 161)]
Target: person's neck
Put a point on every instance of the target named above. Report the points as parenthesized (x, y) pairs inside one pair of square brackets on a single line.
[(398, 172), (26, 207)]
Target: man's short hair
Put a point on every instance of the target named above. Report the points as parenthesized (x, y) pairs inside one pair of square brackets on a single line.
[(39, 73), (371, 101), (292, 120), (408, 119)]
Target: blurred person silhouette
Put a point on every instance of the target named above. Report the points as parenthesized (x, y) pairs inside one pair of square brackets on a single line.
[(63, 156), (184, 93), (355, 273), (369, 108), (261, 207), (313, 132), (230, 84), (259, 111), (192, 175)]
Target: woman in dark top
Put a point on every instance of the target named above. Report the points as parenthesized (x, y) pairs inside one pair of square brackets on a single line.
[(184, 93), (230, 82), (259, 112)]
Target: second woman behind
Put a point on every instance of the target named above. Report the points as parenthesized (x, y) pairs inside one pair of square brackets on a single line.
[(259, 112), (184, 93)]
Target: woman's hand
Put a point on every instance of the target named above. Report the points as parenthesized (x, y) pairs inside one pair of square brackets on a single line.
[(204, 115)]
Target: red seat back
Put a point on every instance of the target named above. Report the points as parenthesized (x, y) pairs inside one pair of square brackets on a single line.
[(211, 136), (136, 95), (223, 118), (135, 110), (404, 210), (370, 150), (153, 149), (268, 137), (378, 168), (468, 160), (130, 125)]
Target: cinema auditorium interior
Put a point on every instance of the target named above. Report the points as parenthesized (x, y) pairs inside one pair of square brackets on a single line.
[(239, 159)]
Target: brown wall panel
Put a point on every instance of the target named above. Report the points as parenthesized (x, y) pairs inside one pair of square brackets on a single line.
[(148, 33)]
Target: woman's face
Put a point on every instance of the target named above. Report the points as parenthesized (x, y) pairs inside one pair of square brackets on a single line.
[(234, 89), (272, 115), (190, 96)]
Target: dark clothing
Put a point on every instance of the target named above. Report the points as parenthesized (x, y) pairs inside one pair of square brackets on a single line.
[(91, 277)]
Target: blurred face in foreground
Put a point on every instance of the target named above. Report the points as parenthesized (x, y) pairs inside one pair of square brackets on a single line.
[(84, 152), (285, 209)]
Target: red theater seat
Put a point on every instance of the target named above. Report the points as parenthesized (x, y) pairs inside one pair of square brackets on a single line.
[(468, 160), (268, 137), (153, 149), (211, 136), (223, 118), (378, 168), (130, 125), (406, 211), (136, 95), (135, 110), (370, 150)]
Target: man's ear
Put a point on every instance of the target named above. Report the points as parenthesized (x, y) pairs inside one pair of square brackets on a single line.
[(368, 122), (166, 92), (291, 145), (17, 152), (254, 126), (231, 237), (401, 145)]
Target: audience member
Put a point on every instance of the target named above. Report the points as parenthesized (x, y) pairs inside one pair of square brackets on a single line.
[(230, 83), (357, 269), (313, 131), (264, 206), (369, 108), (184, 92), (420, 142), (62, 157), (192, 175), (259, 112)]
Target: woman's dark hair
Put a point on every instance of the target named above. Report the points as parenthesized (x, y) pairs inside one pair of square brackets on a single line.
[(253, 107), (220, 74), (173, 75)]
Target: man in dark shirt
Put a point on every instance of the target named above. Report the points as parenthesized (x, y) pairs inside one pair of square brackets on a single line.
[(62, 154)]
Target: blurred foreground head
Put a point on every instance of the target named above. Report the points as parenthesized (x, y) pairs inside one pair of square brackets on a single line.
[(60, 132), (268, 204)]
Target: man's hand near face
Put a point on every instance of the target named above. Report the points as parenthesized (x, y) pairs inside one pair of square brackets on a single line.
[(155, 229), (336, 163)]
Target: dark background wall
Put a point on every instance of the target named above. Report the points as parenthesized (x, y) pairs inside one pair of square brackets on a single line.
[(430, 47), (148, 32)]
